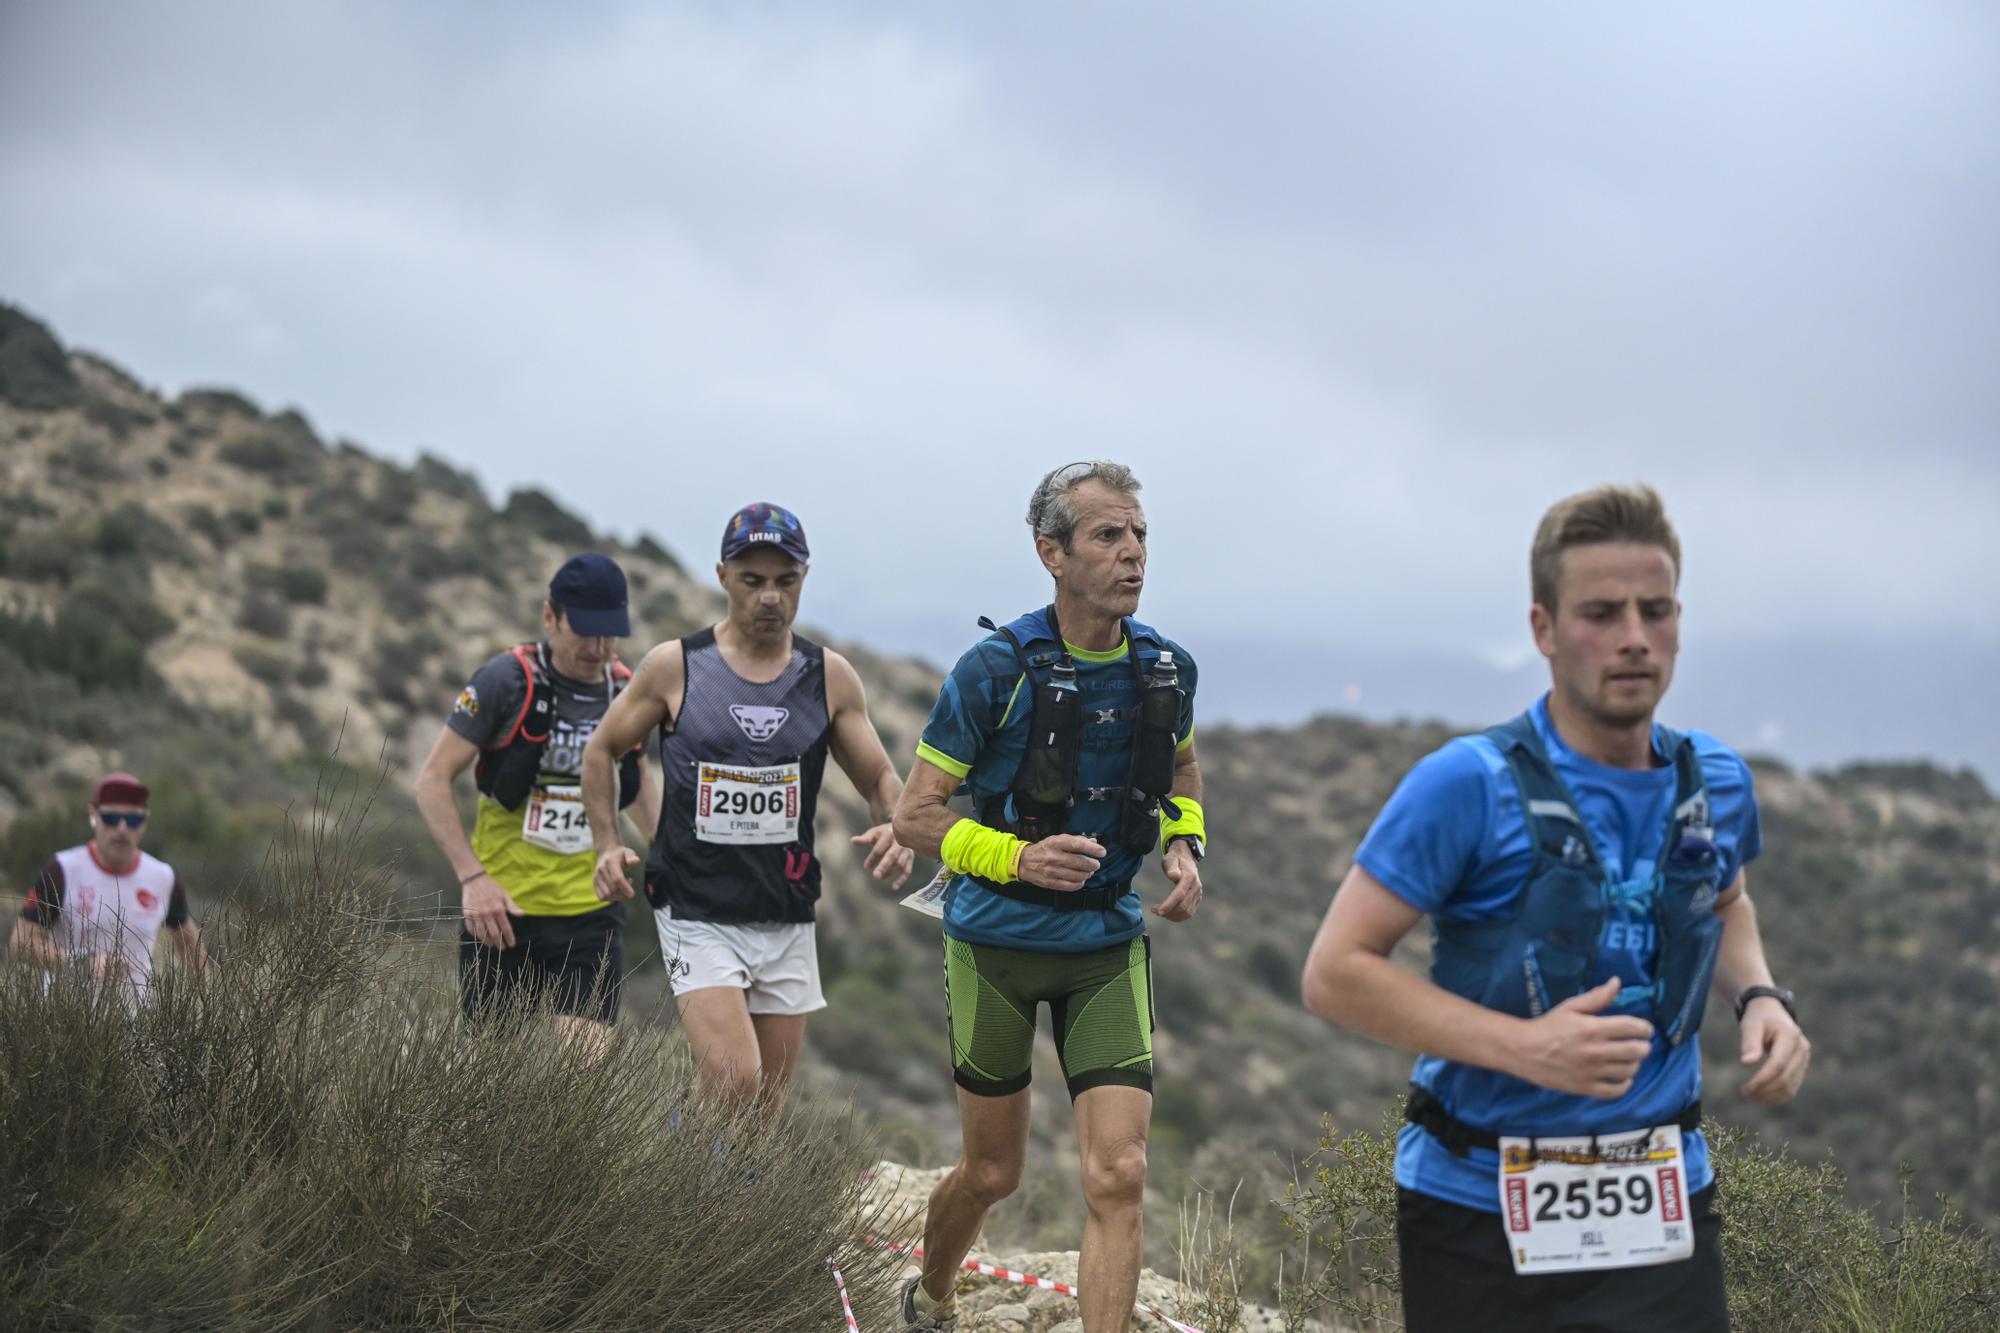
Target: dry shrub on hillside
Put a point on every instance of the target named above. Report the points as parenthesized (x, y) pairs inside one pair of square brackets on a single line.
[(312, 1141), (1799, 1259)]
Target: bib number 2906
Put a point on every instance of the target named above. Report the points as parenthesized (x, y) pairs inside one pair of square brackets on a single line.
[(1613, 1201), (747, 806)]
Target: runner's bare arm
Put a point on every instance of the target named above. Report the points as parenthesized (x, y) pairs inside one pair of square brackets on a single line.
[(187, 943), (856, 746), (449, 757), (648, 703), (644, 812), (1179, 863), (1350, 979), (858, 750), (483, 902), (922, 817), (1769, 1036), (34, 945)]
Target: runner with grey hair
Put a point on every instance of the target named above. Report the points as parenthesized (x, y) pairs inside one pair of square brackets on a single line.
[(1073, 728)]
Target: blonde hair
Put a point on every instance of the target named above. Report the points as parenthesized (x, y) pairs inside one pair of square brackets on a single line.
[(1606, 514)]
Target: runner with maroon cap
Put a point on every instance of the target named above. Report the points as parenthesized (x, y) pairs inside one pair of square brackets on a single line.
[(747, 713), (104, 901)]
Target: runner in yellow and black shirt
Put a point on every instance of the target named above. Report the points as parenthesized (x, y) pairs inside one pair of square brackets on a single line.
[(534, 924)]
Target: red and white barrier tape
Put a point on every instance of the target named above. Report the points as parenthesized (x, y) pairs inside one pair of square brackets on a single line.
[(1024, 1280), (845, 1307)]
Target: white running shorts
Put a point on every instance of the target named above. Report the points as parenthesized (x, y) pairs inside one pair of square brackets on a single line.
[(776, 963)]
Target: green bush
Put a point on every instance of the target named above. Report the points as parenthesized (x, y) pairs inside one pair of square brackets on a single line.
[(91, 652), (134, 532), (433, 473), (34, 372), (217, 402), (297, 583), (284, 458), (264, 613), (312, 1141), (535, 512)]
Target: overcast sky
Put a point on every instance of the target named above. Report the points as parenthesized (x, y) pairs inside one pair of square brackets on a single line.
[(1358, 292)]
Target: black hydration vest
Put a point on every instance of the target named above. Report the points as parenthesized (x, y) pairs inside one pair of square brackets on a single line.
[(1038, 801), (509, 768)]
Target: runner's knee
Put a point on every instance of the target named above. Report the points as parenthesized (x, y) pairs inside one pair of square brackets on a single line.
[(990, 1179), (1115, 1173)]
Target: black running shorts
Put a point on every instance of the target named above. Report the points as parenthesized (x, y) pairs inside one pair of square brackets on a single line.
[(575, 962), (1457, 1277)]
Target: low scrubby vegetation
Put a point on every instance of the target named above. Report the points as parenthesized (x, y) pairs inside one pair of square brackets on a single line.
[(1799, 1259), (312, 1140)]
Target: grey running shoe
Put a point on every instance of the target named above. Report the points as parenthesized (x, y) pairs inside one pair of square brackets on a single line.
[(922, 1323)]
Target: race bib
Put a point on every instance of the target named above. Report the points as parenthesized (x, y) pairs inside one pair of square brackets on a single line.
[(746, 806), (930, 898), (1616, 1201), (554, 819)]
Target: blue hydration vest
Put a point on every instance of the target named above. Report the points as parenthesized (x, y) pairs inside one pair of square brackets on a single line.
[(1543, 955)]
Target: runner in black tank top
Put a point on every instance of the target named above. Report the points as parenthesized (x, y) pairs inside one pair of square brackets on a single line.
[(747, 713)]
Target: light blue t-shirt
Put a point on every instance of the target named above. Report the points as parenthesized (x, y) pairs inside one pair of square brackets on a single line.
[(1453, 843), (978, 731)]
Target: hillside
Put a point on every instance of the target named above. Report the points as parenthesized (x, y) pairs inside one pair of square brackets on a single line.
[(210, 593)]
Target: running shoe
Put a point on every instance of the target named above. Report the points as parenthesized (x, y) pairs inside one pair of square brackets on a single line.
[(922, 1323)]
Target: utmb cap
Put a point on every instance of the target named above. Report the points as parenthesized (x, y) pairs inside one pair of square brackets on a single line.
[(763, 524), (590, 591)]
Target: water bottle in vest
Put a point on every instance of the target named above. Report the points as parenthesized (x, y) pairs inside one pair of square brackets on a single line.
[(1045, 789), (1152, 755)]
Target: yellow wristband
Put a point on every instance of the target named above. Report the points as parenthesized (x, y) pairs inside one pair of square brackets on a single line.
[(1190, 824), (970, 848)]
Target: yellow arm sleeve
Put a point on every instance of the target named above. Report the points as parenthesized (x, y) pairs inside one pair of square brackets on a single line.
[(970, 848), (1190, 822)]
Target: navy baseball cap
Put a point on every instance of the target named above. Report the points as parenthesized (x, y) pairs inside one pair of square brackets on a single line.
[(765, 525), (590, 591)]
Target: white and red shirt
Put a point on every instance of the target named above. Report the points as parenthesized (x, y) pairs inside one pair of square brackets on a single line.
[(88, 908)]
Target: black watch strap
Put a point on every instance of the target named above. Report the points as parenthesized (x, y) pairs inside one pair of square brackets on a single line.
[(1778, 993), (1196, 845)]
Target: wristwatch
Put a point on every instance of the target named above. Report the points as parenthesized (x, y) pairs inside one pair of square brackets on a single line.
[(1778, 993), (1195, 845)]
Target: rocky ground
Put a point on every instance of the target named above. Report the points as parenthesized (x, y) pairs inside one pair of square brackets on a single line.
[(895, 1209)]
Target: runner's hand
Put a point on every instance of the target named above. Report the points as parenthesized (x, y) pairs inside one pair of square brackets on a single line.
[(487, 906), (1185, 872), (1770, 1035), (1577, 1048), (613, 885), (886, 856), (1064, 863)]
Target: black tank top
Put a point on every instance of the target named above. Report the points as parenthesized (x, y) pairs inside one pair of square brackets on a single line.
[(742, 769)]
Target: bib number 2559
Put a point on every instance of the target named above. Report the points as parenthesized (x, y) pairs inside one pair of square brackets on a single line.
[(1615, 1201)]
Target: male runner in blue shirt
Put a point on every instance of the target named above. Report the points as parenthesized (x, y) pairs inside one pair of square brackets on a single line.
[(1073, 728), (1583, 871)]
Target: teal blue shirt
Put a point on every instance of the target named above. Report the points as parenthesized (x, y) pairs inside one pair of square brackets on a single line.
[(978, 731)]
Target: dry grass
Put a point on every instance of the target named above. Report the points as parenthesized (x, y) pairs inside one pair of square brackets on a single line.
[(312, 1141)]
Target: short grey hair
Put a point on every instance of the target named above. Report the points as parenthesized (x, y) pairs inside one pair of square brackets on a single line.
[(1050, 512)]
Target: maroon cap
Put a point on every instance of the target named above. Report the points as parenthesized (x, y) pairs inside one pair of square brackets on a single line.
[(119, 789)]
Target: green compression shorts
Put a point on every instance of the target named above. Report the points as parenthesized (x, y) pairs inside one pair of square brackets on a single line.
[(1101, 1004)]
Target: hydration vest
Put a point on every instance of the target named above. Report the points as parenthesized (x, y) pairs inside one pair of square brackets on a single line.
[(1543, 955), (509, 768), (1043, 792)]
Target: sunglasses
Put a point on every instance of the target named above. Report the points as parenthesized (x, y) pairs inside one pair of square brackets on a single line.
[(122, 819)]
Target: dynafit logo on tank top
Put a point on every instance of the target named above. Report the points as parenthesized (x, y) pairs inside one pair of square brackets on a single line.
[(759, 723)]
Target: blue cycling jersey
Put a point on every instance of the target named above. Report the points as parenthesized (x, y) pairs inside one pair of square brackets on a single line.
[(1453, 843)]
